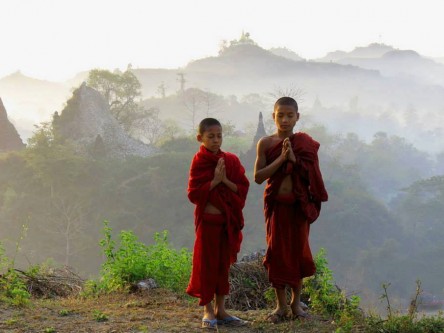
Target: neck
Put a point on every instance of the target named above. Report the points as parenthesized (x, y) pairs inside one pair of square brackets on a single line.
[(284, 134)]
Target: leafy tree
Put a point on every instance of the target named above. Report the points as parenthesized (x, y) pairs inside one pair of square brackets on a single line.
[(121, 90)]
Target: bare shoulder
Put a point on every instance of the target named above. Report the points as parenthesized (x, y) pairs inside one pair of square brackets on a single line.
[(266, 142)]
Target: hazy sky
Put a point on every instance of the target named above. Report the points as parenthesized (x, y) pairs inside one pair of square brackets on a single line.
[(55, 39)]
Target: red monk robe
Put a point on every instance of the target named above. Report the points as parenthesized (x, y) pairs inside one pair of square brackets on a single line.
[(218, 236), (288, 217)]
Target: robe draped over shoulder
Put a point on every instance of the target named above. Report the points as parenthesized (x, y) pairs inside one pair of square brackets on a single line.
[(218, 236), (288, 217), (228, 202), (308, 185)]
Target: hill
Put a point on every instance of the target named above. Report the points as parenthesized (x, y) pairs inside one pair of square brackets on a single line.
[(365, 84), (405, 64)]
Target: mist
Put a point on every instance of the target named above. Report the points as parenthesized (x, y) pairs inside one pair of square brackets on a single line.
[(378, 113)]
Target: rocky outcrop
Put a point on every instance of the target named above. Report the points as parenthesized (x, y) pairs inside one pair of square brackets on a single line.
[(9, 137), (87, 122)]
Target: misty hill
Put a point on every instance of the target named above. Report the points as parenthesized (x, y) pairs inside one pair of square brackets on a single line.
[(9, 138), (405, 64), (286, 53), (374, 50), (247, 68), (243, 69), (87, 121), (383, 80), (31, 101)]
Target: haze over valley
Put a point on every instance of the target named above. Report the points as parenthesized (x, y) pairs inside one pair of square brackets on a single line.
[(115, 144)]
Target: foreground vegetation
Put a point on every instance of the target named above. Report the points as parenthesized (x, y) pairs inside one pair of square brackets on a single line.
[(111, 303)]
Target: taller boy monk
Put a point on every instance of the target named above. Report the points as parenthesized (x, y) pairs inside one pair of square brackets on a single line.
[(218, 187), (292, 201)]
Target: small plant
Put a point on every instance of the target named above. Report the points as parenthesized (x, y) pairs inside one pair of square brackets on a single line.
[(64, 313), (11, 322), (12, 288), (143, 329), (270, 295), (99, 316), (132, 261), (385, 296), (50, 330), (327, 298), (404, 323)]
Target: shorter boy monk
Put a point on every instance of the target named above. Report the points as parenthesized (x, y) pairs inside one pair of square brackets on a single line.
[(218, 187), (292, 201)]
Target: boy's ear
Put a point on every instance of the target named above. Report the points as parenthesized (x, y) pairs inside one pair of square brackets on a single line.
[(297, 116), (199, 137), (273, 115)]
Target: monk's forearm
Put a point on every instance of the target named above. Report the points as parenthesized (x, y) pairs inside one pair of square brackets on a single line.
[(263, 174), (214, 183), (232, 186)]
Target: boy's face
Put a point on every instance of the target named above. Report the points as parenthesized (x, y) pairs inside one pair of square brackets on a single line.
[(211, 138), (285, 117)]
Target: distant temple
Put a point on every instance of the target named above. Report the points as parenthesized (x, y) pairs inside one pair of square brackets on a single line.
[(249, 157)]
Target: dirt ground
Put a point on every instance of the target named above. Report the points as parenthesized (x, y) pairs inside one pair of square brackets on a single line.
[(154, 311)]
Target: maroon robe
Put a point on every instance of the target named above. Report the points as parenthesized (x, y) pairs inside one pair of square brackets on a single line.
[(218, 236), (288, 217)]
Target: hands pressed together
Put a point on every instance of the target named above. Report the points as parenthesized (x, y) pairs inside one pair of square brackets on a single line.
[(287, 151), (220, 173)]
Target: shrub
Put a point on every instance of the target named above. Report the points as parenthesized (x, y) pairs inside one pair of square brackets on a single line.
[(327, 298), (12, 288), (133, 261)]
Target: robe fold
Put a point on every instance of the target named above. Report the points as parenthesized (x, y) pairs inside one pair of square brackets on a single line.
[(218, 236), (288, 217)]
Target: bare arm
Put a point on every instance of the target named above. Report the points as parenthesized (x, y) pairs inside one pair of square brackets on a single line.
[(232, 186), (262, 171)]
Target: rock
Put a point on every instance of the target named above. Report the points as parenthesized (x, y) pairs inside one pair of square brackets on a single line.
[(255, 256), (147, 284), (88, 123)]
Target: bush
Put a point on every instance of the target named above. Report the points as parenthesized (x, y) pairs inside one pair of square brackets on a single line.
[(133, 261), (327, 298), (12, 288)]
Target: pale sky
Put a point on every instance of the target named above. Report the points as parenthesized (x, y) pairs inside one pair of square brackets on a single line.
[(55, 39)]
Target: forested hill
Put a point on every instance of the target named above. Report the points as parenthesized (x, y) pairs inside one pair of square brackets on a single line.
[(377, 79)]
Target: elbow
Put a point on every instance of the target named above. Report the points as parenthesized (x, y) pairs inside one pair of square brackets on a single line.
[(258, 180)]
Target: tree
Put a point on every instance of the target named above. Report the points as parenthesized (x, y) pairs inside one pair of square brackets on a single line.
[(182, 81), (161, 90), (171, 130), (149, 128), (210, 102), (120, 91), (192, 98)]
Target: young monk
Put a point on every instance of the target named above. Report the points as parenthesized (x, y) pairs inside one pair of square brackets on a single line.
[(292, 201), (218, 187)]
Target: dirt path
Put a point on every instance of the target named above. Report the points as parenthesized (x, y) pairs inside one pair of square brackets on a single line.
[(157, 311)]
